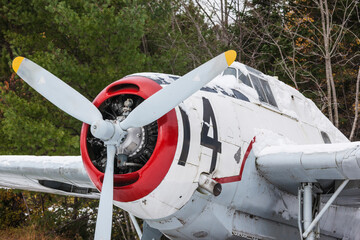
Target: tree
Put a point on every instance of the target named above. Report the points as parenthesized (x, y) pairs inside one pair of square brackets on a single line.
[(88, 44), (356, 106), (325, 29), (12, 209)]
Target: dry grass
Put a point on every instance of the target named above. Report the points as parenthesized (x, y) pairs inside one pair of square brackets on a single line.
[(27, 233)]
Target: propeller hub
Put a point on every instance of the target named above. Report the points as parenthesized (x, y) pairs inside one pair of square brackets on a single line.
[(133, 142), (103, 130), (109, 132)]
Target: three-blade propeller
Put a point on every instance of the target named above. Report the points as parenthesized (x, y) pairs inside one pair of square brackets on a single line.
[(76, 105)]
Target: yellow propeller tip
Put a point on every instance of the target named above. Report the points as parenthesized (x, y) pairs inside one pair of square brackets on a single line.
[(230, 56), (16, 63)]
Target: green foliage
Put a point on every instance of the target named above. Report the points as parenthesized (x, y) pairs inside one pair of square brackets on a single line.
[(57, 216), (88, 44), (84, 43), (12, 209)]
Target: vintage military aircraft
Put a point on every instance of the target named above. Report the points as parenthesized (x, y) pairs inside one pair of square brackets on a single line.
[(241, 157)]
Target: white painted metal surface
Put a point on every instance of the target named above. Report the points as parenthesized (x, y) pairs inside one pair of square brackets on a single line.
[(287, 166), (308, 204), (136, 225), (175, 190), (223, 127), (253, 194), (58, 92), (105, 212), (309, 228), (167, 98), (24, 172)]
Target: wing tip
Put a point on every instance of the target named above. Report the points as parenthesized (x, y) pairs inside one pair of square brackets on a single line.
[(16, 63), (230, 56)]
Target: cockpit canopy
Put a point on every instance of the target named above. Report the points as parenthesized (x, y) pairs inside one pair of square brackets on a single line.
[(253, 78)]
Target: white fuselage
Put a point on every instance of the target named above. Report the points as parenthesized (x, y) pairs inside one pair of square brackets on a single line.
[(226, 134)]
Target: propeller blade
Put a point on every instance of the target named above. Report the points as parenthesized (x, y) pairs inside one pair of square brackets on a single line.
[(170, 96), (104, 218), (56, 91)]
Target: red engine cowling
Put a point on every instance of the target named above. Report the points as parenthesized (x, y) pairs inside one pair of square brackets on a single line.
[(134, 185)]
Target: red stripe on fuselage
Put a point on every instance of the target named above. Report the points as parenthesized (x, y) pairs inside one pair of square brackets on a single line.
[(237, 177)]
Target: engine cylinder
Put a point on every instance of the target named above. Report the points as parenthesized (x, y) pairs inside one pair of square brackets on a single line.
[(150, 149)]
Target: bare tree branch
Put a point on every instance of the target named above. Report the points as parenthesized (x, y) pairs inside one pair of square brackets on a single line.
[(356, 107)]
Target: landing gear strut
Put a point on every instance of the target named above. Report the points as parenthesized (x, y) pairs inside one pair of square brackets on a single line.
[(308, 210)]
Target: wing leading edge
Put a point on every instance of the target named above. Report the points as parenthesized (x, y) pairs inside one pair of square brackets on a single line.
[(63, 175), (289, 166)]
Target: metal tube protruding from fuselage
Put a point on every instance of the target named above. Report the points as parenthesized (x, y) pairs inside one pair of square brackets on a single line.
[(209, 184)]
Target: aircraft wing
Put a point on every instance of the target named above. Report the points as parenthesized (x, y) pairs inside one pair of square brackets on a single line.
[(326, 165), (63, 175)]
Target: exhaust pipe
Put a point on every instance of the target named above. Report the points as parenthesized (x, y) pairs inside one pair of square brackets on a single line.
[(209, 184)]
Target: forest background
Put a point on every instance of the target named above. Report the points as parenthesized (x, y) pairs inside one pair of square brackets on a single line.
[(312, 45)]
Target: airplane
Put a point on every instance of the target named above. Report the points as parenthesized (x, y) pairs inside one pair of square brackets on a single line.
[(223, 152)]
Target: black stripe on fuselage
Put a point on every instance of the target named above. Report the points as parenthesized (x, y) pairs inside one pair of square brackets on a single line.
[(235, 93), (186, 141)]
